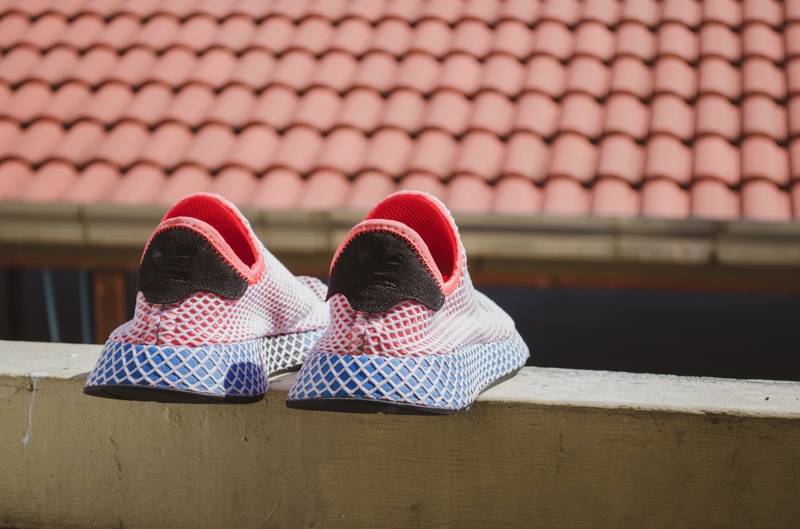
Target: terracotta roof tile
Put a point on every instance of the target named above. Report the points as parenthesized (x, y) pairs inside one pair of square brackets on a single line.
[(595, 39), (79, 142), (365, 109), (762, 115), (272, 35), (672, 115), (389, 150), (376, 70), (49, 184), (447, 110), (678, 40), (493, 112), (122, 145), (368, 189), (631, 75), (565, 196), (791, 35), (716, 158), (763, 200), (712, 199), (210, 146), (537, 113), (793, 111), (95, 183), (182, 182), (432, 36), (553, 38), (280, 188), (324, 189), (481, 154), (27, 101), (662, 197), (647, 12), (254, 148), (687, 12), (512, 37), (392, 35), (717, 115), (318, 109), (668, 158), (473, 37), (297, 149), (626, 114), (275, 106), (604, 11), (467, 193), (760, 40), (600, 107), (566, 11), (613, 197), (763, 158), (720, 40), (575, 157), (13, 175), (461, 72), (728, 12), (766, 11), (37, 141), (636, 40), (621, 157), (582, 114), (433, 153), (718, 76), (589, 75), (166, 145), (675, 76), (517, 196), (236, 183), (343, 151), (762, 76), (546, 74), (419, 181), (330, 9), (447, 10), (527, 156)]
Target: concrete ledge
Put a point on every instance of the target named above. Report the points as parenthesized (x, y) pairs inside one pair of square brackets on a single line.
[(549, 448)]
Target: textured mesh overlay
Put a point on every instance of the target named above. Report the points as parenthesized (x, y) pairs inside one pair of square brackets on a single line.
[(279, 303), (412, 355)]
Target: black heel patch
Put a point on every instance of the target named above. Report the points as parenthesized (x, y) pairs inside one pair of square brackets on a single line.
[(379, 269), (180, 261)]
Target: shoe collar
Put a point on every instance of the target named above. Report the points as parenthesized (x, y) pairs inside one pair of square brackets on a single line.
[(225, 228)]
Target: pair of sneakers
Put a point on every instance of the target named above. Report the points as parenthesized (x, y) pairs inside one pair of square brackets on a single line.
[(399, 326)]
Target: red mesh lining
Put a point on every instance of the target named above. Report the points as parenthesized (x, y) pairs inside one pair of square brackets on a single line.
[(428, 221), (225, 221)]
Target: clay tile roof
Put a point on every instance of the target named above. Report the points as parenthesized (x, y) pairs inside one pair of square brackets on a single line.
[(655, 108)]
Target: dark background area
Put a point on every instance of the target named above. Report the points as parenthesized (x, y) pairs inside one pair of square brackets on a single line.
[(680, 333)]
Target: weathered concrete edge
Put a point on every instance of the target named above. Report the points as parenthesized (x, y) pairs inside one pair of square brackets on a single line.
[(533, 386)]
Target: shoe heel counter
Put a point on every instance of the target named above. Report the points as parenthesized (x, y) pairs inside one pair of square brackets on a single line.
[(379, 269), (179, 261)]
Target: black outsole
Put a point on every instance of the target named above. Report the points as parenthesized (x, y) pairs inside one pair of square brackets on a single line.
[(173, 396), (164, 395), (361, 405)]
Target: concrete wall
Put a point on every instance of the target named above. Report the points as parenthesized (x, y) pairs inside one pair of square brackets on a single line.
[(550, 448)]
